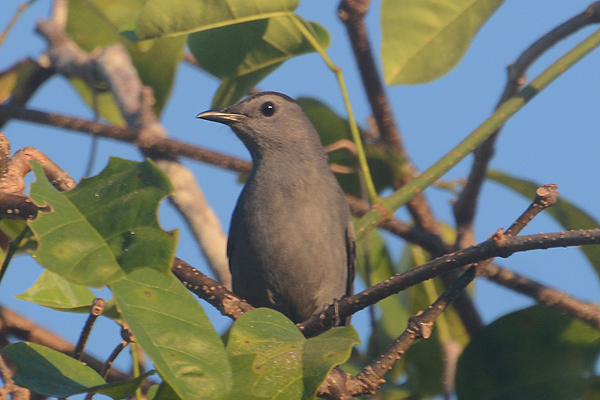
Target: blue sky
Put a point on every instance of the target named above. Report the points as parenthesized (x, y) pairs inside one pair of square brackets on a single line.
[(554, 139)]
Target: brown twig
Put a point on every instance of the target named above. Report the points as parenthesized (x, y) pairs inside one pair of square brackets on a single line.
[(164, 146), (22, 93), (420, 326), (498, 245), (465, 207), (95, 311), (174, 148), (127, 336), (10, 388), (22, 328), (19, 166), (210, 290), (352, 13), (553, 298)]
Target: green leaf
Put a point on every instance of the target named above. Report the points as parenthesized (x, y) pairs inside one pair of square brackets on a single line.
[(241, 55), (162, 392), (161, 18), (271, 359), (121, 390), (534, 353), (49, 372), (423, 40), (106, 227), (53, 291), (385, 169), (593, 392), (393, 315), (94, 24), (14, 78), (568, 215), (174, 331)]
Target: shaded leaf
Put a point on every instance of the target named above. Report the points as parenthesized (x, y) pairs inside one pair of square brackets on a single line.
[(593, 392), (568, 215), (161, 18), (392, 316), (106, 227), (174, 331), (121, 390), (241, 55), (162, 392), (94, 24), (13, 78), (534, 353), (49, 372), (385, 169), (425, 360), (423, 40), (53, 291), (271, 359)]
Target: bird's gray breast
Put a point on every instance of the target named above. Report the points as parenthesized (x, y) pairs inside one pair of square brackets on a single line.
[(287, 244)]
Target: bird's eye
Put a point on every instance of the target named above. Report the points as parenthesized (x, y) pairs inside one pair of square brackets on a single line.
[(268, 109)]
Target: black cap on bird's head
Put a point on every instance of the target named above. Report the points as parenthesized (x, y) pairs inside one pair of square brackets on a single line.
[(267, 120)]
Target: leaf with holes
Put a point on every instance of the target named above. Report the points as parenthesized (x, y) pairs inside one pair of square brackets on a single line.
[(106, 227)]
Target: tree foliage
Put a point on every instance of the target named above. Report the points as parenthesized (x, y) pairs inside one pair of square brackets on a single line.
[(105, 233)]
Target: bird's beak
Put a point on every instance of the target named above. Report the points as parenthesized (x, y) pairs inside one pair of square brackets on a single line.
[(220, 116)]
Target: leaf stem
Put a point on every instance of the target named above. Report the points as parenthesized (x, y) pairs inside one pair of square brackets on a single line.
[(387, 206), (362, 158), (12, 249), (136, 367), (14, 19)]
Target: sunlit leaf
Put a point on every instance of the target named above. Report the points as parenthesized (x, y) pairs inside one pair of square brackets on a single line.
[(271, 359), (241, 55), (423, 40), (172, 328), (160, 18), (53, 291), (94, 24), (106, 227)]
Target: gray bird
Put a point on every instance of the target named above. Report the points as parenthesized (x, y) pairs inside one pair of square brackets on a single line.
[(291, 243)]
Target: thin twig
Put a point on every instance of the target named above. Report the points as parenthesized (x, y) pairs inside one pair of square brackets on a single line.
[(553, 298), (24, 329), (95, 311), (352, 13), (498, 245), (165, 146), (386, 206), (12, 250), (420, 326), (19, 166), (210, 290), (20, 10), (465, 207)]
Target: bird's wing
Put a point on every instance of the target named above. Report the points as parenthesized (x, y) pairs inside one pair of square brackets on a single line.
[(351, 252)]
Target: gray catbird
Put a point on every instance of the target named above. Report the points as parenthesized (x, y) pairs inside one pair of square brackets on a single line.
[(291, 243)]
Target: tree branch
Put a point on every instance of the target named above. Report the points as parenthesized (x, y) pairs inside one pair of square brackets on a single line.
[(498, 245), (420, 326), (465, 207), (113, 66), (351, 13), (553, 298), (12, 323)]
